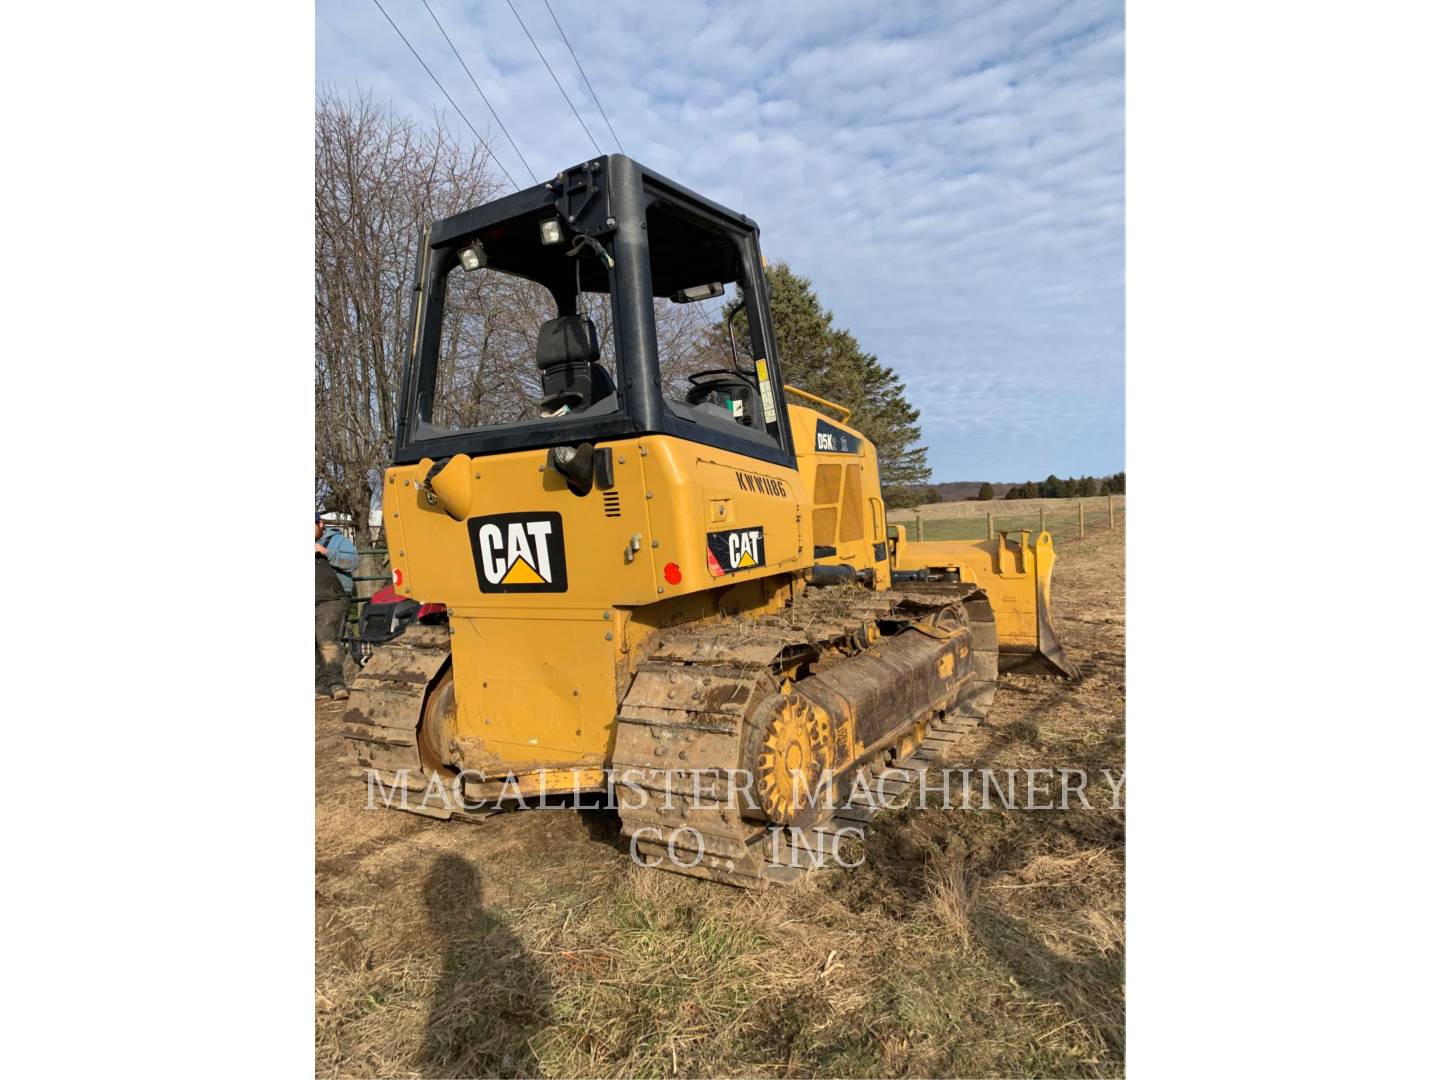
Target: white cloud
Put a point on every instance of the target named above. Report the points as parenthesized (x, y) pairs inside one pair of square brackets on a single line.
[(951, 176)]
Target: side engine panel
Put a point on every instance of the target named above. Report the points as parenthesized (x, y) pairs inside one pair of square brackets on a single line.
[(842, 473)]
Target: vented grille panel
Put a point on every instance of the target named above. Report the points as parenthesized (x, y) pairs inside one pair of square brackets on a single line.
[(612, 503), (852, 510), (824, 525), (827, 484)]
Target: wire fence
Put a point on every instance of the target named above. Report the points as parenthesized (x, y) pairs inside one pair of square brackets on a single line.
[(1066, 521), (372, 575)]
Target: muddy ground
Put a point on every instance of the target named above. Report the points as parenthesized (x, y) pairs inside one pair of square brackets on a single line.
[(971, 941)]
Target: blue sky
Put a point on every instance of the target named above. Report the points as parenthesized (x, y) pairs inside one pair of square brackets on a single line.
[(950, 175)]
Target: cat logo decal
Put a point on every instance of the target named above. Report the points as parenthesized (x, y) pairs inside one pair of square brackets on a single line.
[(735, 549), (518, 553)]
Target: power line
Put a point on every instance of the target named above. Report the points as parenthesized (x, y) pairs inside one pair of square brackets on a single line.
[(552, 75), (480, 92), (584, 76), (448, 98)]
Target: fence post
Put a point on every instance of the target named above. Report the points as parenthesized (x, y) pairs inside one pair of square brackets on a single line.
[(919, 525), (1110, 506), (989, 526), (1082, 521), (1042, 519)]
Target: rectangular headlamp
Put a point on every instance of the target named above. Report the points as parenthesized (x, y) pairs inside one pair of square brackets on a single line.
[(472, 256)]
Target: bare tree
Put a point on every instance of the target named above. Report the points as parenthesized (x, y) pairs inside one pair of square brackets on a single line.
[(379, 178)]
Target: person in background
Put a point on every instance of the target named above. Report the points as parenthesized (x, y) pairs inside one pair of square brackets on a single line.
[(336, 560)]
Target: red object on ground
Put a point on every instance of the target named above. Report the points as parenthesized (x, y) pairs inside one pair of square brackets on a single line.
[(388, 595), (385, 595)]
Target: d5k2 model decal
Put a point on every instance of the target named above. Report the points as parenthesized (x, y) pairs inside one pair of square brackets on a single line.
[(735, 549), (829, 439), (516, 553)]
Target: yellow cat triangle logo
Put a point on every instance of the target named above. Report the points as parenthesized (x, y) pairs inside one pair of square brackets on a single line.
[(745, 560), (521, 573)]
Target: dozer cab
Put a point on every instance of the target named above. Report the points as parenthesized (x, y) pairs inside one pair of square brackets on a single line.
[(662, 579)]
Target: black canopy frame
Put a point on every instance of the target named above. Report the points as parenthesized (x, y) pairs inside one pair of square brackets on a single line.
[(660, 238)]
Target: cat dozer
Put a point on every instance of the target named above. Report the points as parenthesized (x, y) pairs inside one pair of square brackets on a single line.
[(668, 576)]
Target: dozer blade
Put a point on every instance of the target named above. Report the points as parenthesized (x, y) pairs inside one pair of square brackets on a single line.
[(1015, 574)]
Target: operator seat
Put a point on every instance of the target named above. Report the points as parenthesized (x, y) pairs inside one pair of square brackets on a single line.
[(713, 391), (568, 356)]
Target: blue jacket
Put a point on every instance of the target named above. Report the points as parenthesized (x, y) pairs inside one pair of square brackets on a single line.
[(342, 555)]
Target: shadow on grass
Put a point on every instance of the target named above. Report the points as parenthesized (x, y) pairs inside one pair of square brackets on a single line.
[(1090, 988), (493, 997), (603, 827)]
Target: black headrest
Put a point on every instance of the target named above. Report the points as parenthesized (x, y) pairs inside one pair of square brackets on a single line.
[(569, 339)]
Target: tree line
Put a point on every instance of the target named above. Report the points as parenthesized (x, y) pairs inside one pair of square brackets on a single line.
[(1052, 487), (379, 179)]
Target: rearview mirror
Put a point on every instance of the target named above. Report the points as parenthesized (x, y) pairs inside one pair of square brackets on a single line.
[(699, 292)]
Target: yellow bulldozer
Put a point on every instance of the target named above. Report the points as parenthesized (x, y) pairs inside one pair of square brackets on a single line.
[(675, 586)]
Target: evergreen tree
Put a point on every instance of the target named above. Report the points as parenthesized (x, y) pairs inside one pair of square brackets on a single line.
[(987, 491), (1087, 486), (818, 357)]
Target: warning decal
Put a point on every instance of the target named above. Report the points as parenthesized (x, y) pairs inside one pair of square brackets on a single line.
[(519, 552), (767, 392), (731, 550)]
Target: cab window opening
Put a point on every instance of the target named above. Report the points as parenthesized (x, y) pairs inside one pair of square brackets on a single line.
[(704, 301), (511, 351)]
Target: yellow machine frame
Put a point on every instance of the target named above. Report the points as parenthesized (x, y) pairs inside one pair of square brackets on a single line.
[(538, 676)]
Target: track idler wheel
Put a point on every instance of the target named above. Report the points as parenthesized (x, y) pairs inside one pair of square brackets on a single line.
[(793, 755), (437, 725)]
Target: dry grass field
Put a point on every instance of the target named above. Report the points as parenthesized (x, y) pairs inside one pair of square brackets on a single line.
[(966, 520), (979, 942)]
